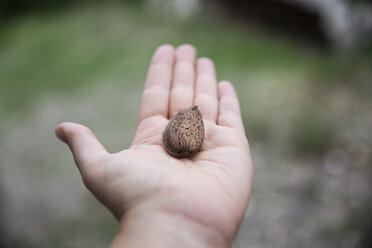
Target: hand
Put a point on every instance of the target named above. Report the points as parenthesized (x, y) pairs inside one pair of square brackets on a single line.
[(161, 201)]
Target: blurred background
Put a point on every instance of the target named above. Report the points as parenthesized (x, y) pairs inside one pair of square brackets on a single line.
[(303, 72)]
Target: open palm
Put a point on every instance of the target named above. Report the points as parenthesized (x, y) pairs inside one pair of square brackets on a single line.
[(210, 189)]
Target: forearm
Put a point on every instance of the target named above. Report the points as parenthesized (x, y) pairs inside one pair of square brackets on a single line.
[(166, 231)]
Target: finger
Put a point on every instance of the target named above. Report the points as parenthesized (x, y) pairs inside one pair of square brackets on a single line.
[(229, 110), (206, 89), (83, 143), (155, 96), (182, 91)]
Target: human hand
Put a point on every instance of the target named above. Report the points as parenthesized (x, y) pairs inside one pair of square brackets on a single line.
[(159, 200)]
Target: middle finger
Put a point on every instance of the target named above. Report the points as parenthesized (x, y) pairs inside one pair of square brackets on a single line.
[(182, 91)]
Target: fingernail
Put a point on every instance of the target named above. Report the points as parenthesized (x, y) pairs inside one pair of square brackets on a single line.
[(61, 135)]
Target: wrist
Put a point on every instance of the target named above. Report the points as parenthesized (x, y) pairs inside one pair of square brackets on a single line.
[(160, 230)]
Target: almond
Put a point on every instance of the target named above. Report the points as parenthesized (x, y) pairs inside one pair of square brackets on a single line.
[(184, 133)]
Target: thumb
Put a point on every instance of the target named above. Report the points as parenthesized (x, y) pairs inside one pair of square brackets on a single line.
[(82, 142)]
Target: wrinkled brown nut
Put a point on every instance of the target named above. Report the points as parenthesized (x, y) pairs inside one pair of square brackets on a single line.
[(184, 133)]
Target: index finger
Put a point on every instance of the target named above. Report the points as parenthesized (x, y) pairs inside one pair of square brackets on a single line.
[(155, 96)]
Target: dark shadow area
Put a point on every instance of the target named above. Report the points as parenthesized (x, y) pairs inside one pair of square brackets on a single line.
[(279, 16), (9, 8)]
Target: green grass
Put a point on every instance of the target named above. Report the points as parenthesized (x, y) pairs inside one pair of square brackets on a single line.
[(64, 50), (76, 48), (312, 133)]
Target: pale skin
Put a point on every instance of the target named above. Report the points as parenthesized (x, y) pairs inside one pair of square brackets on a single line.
[(161, 201)]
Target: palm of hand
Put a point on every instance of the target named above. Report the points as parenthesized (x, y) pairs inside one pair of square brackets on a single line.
[(212, 188)]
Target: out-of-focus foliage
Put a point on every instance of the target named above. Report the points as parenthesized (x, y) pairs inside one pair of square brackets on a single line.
[(11, 7), (360, 1), (312, 133)]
